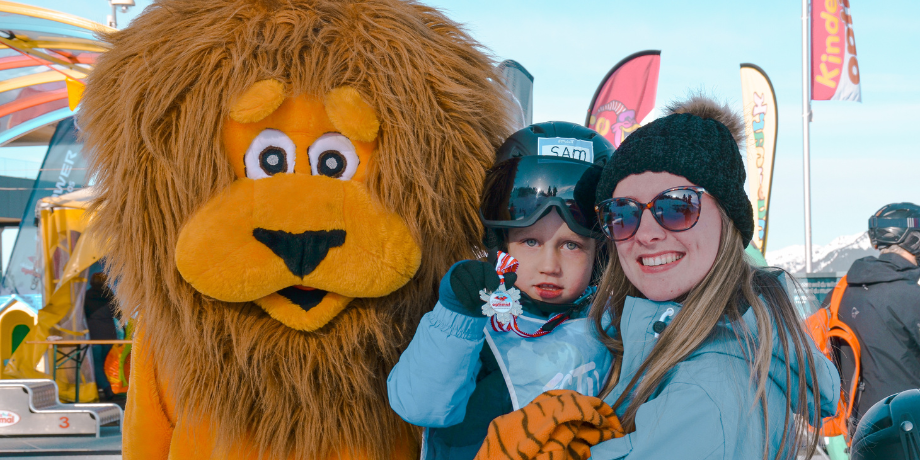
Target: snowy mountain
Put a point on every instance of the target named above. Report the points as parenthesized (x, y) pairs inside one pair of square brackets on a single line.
[(836, 256)]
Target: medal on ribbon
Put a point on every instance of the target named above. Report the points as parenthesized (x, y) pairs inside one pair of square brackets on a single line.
[(502, 304)]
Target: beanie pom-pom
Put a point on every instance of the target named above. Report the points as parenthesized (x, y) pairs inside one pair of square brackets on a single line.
[(707, 108)]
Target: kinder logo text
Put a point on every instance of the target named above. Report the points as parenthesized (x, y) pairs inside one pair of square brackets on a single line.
[(8, 418), (566, 148), (835, 68)]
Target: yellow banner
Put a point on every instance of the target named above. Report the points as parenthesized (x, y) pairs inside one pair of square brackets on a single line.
[(760, 123)]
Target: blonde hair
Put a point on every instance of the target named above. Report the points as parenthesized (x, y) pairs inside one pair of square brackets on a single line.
[(726, 291)]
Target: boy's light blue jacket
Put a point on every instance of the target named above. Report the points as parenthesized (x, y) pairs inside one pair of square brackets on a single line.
[(434, 392), (706, 407)]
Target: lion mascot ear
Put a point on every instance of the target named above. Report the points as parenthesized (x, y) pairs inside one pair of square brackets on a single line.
[(258, 102), (346, 108), (281, 185)]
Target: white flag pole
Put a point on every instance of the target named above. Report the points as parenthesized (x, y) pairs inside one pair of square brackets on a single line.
[(806, 120)]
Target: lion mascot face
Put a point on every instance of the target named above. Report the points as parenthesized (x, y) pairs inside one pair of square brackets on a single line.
[(281, 185), (298, 232)]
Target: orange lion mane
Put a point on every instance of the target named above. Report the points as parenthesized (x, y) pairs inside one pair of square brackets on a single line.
[(152, 117)]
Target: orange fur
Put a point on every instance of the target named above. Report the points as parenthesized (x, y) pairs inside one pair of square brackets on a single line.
[(153, 113), (258, 102), (557, 425), (354, 118)]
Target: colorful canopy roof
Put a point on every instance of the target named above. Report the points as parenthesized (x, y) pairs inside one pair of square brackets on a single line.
[(39, 50)]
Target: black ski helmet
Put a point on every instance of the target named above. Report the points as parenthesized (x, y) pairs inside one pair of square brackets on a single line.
[(544, 166), (525, 142), (896, 223), (890, 429)]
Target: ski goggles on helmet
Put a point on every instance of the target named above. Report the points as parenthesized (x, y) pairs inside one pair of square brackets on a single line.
[(520, 191), (887, 231), (675, 209)]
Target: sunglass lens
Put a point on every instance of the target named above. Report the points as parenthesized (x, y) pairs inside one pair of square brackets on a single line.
[(677, 210), (620, 218)]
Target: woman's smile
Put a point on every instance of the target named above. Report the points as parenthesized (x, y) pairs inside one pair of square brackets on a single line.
[(659, 262)]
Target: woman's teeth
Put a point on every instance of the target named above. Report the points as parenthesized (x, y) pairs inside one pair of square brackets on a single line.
[(662, 259)]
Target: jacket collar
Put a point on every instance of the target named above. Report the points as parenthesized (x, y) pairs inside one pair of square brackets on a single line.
[(638, 335)]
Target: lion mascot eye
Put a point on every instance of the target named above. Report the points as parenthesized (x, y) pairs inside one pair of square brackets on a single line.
[(333, 155), (271, 152)]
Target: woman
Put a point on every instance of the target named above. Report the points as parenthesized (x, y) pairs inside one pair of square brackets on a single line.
[(696, 375)]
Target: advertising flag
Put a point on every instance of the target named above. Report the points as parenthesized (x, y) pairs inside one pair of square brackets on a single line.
[(834, 68), (63, 171), (625, 96), (520, 84), (760, 123)]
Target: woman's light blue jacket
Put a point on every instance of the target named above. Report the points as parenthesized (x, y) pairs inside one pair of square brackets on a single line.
[(706, 406)]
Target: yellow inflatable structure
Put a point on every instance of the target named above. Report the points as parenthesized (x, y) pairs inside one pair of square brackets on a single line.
[(67, 252), (17, 319)]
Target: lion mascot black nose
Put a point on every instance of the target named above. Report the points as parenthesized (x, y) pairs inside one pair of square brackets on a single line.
[(301, 252)]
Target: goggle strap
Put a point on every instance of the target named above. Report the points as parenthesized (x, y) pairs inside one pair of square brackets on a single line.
[(881, 222), (539, 213)]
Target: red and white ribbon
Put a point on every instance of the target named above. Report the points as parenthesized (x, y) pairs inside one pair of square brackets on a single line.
[(505, 264), (497, 326)]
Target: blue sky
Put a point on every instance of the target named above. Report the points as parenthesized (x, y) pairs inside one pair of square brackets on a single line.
[(862, 154)]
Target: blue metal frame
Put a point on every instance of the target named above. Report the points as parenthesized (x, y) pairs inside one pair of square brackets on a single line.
[(23, 23), (35, 123)]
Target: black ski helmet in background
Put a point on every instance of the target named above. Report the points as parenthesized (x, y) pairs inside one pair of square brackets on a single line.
[(890, 430), (546, 166), (896, 223)]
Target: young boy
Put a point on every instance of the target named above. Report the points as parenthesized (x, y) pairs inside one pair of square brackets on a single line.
[(464, 368)]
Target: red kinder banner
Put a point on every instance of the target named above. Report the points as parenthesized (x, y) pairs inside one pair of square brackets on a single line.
[(625, 96), (834, 68)]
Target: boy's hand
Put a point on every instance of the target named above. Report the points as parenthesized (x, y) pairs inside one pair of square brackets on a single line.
[(460, 287)]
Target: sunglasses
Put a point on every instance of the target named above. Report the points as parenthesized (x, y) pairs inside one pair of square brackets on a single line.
[(675, 209)]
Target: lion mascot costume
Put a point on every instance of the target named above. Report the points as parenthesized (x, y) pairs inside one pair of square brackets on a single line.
[(280, 185)]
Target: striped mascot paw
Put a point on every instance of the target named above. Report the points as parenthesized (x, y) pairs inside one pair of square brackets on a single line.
[(557, 425)]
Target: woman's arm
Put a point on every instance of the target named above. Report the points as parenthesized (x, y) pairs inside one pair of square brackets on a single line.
[(682, 422)]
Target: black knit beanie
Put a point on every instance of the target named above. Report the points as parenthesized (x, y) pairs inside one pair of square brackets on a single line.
[(698, 140)]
